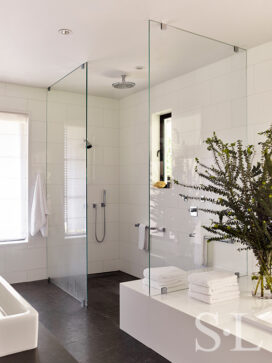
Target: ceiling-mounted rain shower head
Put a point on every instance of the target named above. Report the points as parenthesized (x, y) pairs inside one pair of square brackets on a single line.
[(124, 84)]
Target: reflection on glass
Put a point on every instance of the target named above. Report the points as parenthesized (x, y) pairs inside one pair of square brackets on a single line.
[(168, 148), (161, 152), (66, 184), (74, 181), (203, 84)]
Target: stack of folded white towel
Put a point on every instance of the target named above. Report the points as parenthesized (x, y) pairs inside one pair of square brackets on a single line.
[(213, 286), (170, 277)]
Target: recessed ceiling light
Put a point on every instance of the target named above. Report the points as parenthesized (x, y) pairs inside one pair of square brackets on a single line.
[(139, 68), (65, 31)]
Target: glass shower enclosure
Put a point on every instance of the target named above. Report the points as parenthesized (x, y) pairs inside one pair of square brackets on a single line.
[(67, 247), (143, 139), (197, 86)]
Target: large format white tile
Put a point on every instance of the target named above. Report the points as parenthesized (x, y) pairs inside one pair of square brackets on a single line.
[(11, 104), (195, 97), (37, 274), (37, 152), (55, 132), (111, 156), (37, 110), (95, 118), (14, 90), (55, 153), (259, 54), (263, 76), (56, 112), (111, 118), (37, 131)]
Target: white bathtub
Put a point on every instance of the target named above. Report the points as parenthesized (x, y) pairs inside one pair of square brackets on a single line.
[(18, 321)]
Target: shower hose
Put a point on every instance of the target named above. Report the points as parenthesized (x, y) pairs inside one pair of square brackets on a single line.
[(95, 227)]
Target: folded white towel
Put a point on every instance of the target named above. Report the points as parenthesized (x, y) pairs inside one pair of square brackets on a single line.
[(212, 300), (171, 282), (213, 291), (159, 285), (169, 289), (164, 274), (213, 279)]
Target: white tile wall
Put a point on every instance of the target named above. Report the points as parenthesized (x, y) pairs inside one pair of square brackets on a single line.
[(66, 127), (27, 262), (119, 160), (212, 98), (209, 99), (103, 173), (134, 151), (259, 98)]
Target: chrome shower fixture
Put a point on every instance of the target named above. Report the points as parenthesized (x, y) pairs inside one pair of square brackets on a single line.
[(95, 206), (123, 84), (88, 144)]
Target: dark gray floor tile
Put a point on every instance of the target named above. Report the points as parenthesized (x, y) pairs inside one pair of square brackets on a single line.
[(90, 335)]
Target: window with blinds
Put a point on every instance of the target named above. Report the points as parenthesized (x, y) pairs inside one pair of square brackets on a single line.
[(74, 181), (13, 177)]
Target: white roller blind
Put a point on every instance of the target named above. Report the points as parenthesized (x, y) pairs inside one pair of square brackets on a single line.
[(13, 177), (74, 181)]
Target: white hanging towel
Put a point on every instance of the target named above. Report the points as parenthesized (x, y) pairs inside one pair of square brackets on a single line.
[(141, 236), (39, 210)]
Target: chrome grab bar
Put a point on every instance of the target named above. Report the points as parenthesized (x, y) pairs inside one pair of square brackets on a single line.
[(153, 228), (228, 241)]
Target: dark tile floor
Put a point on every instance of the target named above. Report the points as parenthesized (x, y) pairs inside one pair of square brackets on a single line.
[(49, 351), (90, 335)]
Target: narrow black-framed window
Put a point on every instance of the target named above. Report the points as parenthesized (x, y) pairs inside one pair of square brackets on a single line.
[(165, 151)]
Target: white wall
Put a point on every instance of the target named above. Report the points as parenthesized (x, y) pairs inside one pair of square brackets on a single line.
[(103, 173), (27, 262), (66, 187), (259, 116), (212, 98), (259, 91), (68, 109), (134, 171)]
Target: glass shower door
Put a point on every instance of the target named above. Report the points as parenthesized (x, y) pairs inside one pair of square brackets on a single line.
[(66, 183)]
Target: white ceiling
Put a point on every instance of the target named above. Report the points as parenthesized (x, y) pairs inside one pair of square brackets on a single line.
[(173, 52), (112, 34)]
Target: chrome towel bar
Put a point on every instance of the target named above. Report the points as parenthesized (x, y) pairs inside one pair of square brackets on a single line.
[(153, 228)]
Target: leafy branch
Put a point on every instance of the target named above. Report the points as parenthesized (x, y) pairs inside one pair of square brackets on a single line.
[(239, 191)]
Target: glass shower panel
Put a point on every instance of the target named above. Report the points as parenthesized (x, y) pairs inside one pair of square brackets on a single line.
[(103, 168), (66, 183), (197, 86)]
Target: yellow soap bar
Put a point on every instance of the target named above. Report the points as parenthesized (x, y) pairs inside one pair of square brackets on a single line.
[(160, 184)]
